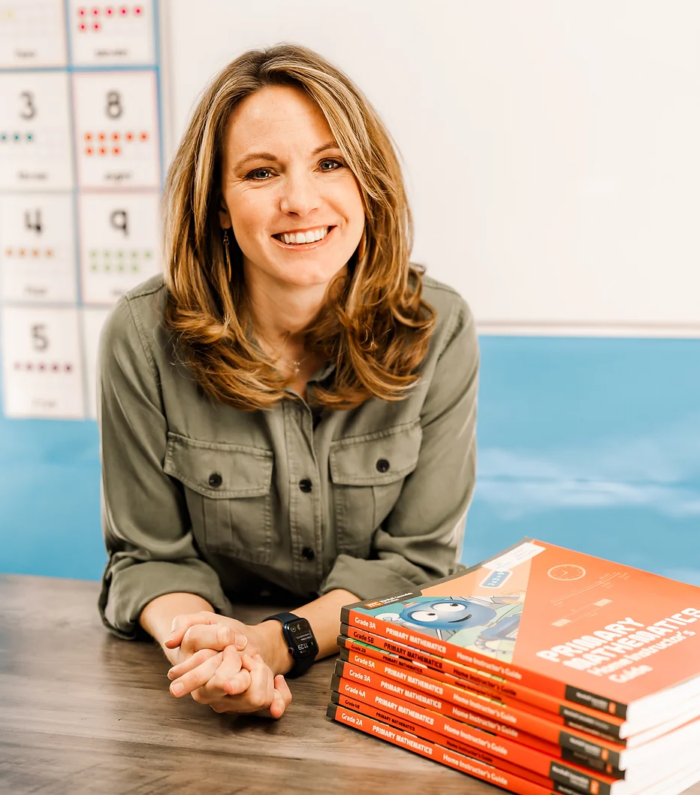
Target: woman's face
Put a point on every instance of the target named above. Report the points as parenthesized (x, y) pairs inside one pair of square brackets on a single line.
[(283, 173)]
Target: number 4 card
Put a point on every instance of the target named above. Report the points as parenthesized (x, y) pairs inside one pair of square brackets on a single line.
[(116, 129), (42, 363)]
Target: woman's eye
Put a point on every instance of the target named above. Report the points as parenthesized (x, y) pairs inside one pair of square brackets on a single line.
[(255, 174)]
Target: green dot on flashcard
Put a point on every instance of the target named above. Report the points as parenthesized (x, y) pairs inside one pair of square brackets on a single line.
[(93, 253), (93, 267), (134, 254), (108, 267), (121, 267), (107, 253), (29, 136), (16, 136), (120, 253), (3, 137), (134, 268), (148, 255)]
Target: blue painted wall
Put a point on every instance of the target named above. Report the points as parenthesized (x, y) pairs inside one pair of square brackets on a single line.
[(589, 443)]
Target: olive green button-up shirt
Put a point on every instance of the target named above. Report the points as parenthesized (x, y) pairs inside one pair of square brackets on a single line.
[(202, 498)]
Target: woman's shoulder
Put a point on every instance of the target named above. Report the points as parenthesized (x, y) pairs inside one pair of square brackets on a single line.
[(453, 314), (135, 317)]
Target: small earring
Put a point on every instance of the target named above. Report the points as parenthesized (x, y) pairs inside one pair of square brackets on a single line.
[(226, 253)]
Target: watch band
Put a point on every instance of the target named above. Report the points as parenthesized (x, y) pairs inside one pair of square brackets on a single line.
[(300, 666)]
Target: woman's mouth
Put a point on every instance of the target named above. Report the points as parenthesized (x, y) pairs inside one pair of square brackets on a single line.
[(303, 241)]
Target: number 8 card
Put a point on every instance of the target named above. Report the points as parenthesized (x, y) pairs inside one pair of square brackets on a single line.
[(116, 130)]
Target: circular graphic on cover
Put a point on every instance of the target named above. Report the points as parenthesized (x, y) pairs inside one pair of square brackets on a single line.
[(566, 571)]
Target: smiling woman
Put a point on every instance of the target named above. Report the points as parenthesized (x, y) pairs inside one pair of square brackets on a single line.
[(291, 410)]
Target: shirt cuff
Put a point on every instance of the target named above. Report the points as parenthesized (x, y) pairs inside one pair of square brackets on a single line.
[(368, 579), (126, 591)]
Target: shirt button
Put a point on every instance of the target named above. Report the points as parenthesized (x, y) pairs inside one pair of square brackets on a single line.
[(215, 480), (383, 465), (305, 485), (308, 553)]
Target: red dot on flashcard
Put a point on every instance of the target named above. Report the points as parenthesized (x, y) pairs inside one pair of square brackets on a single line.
[(30, 366), (138, 10), (115, 136), (8, 252), (35, 252), (21, 252), (96, 26), (81, 27), (49, 252), (129, 136), (88, 150), (144, 136), (42, 366), (96, 11), (109, 11), (54, 367), (81, 12), (116, 151), (123, 11), (101, 136), (69, 367), (103, 151), (88, 136)]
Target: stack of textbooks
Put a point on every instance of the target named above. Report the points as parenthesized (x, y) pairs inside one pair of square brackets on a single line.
[(540, 670)]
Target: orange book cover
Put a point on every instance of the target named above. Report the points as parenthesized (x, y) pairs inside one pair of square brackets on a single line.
[(545, 769), (461, 762), (486, 714), (580, 628), (552, 708)]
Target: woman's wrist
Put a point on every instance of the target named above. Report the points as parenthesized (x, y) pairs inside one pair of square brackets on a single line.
[(275, 652)]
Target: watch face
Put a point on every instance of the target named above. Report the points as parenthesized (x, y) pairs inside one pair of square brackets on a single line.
[(302, 638)]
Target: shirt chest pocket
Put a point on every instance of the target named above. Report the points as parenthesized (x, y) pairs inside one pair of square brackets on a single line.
[(228, 494), (368, 473)]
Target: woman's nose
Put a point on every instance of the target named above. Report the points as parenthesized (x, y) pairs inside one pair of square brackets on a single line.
[(300, 194)]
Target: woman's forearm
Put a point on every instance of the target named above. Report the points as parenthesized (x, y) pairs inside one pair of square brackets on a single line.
[(157, 617)]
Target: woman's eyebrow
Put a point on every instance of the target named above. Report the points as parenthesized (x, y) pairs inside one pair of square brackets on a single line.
[(268, 156)]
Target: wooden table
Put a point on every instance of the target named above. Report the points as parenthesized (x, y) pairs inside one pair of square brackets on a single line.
[(84, 712)]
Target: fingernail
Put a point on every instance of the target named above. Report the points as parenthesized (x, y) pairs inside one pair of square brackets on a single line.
[(177, 690), (241, 642), (258, 657)]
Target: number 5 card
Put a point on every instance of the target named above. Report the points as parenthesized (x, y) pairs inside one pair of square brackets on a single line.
[(116, 129), (42, 367)]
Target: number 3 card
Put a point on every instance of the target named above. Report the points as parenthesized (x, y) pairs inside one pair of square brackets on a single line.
[(42, 367), (116, 129), (35, 142)]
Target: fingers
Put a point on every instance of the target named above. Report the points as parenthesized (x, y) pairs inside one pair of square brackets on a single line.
[(196, 678), (183, 622), (282, 698), (192, 662), (211, 636)]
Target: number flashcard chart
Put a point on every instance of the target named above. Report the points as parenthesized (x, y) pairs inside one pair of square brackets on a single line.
[(36, 152), (93, 319), (112, 33), (119, 246), (116, 129), (42, 364), (32, 33), (37, 248)]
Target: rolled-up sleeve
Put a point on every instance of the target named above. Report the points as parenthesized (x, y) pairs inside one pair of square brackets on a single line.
[(421, 539), (145, 522)]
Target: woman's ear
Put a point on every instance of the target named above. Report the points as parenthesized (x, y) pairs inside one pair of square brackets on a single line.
[(224, 217)]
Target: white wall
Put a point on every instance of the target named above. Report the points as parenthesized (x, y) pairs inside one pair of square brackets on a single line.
[(551, 146)]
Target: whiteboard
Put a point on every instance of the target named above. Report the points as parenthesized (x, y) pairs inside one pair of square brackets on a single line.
[(550, 149)]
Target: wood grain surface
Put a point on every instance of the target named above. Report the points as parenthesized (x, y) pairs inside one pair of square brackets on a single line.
[(82, 712)]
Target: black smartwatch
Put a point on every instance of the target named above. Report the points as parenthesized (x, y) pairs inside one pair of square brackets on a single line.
[(300, 641)]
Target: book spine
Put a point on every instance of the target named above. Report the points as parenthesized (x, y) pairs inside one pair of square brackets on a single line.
[(486, 684), (477, 711), (513, 757), (509, 671), (452, 759)]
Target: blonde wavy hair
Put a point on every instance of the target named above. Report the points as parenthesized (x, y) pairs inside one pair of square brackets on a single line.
[(374, 324)]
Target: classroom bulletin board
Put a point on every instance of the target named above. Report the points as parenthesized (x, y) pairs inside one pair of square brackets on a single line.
[(81, 170)]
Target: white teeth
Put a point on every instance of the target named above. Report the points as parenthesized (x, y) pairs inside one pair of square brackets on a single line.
[(308, 237)]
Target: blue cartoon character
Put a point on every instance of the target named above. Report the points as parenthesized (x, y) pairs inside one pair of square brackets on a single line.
[(485, 624)]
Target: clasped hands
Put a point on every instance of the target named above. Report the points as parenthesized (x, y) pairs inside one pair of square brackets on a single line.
[(231, 666)]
